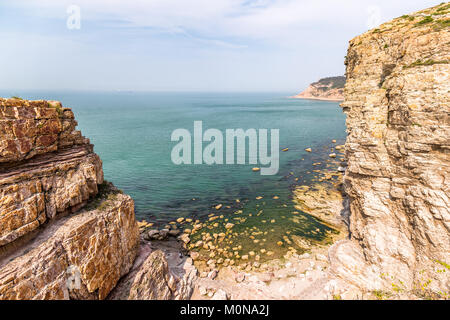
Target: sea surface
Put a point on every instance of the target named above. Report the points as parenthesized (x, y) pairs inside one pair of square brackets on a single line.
[(132, 131)]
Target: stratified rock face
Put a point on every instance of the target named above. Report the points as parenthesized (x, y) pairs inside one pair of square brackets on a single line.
[(48, 172), (331, 88), (46, 166), (397, 106), (29, 128), (81, 256), (38, 190)]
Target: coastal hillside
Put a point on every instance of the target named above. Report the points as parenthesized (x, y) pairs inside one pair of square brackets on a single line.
[(397, 105), (331, 88)]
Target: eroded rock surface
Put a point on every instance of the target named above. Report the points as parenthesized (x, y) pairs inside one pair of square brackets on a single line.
[(160, 272), (29, 128), (36, 191), (81, 256), (59, 237), (397, 106)]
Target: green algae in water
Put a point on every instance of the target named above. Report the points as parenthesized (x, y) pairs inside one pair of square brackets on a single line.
[(266, 227)]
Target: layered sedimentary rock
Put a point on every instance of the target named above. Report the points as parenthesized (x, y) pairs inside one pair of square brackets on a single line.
[(331, 88), (81, 256), (38, 190), (397, 107), (30, 128), (48, 173), (46, 166)]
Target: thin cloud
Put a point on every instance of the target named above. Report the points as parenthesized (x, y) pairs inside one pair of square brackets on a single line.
[(258, 19)]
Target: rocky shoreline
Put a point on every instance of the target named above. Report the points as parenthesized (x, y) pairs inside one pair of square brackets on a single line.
[(288, 277)]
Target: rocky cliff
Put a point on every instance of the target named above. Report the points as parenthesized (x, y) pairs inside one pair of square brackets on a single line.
[(331, 88), (48, 173), (397, 107), (64, 232)]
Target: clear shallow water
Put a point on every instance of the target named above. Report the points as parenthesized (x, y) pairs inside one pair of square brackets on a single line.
[(131, 133)]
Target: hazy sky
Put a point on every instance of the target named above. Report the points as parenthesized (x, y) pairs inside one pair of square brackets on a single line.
[(178, 45)]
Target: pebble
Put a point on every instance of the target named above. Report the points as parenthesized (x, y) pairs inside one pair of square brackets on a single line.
[(174, 233), (220, 295), (321, 257), (199, 243), (152, 234), (266, 277), (213, 274), (239, 277), (185, 238), (218, 206), (202, 291), (194, 255)]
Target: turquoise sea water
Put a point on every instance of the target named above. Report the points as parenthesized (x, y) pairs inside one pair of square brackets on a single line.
[(131, 133)]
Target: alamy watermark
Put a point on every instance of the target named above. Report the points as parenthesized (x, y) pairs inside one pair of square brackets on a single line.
[(235, 147), (73, 21), (74, 278)]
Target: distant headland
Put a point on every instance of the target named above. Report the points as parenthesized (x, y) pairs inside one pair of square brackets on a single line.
[(330, 89)]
